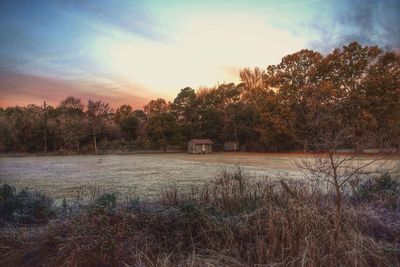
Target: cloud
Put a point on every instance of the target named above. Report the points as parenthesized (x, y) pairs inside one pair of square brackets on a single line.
[(369, 22), (47, 45), (201, 51), (130, 16), (24, 89)]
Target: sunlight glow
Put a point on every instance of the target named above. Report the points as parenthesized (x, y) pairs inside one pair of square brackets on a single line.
[(207, 50)]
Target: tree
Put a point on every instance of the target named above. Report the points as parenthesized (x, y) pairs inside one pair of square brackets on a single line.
[(161, 130), (260, 103), (380, 97), (155, 107), (210, 122), (185, 111), (243, 125), (141, 116), (345, 70), (71, 121), (338, 170), (308, 100), (292, 78), (97, 112), (336, 120), (253, 82), (228, 96), (22, 129), (122, 112), (72, 105), (127, 121)]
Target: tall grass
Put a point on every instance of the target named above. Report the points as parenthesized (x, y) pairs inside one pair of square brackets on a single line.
[(232, 221)]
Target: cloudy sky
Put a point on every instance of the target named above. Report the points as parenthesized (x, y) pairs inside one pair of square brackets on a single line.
[(127, 52)]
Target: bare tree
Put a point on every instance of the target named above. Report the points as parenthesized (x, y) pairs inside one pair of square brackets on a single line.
[(252, 79), (339, 159)]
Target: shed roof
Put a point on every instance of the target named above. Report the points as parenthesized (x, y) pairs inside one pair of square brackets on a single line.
[(201, 141)]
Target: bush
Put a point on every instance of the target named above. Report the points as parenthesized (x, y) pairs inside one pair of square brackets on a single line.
[(106, 202), (6, 192), (7, 201), (25, 207), (383, 190), (230, 192), (33, 207)]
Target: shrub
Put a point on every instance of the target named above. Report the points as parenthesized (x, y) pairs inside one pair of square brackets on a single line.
[(25, 206), (7, 201), (230, 192), (383, 190), (6, 192), (106, 202), (33, 207)]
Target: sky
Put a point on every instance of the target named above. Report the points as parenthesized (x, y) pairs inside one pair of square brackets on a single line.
[(129, 52)]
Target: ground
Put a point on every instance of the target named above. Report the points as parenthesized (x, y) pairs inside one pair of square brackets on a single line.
[(143, 175)]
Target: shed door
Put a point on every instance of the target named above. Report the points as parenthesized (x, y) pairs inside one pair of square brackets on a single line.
[(203, 148)]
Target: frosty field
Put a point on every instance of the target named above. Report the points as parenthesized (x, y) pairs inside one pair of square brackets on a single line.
[(144, 175)]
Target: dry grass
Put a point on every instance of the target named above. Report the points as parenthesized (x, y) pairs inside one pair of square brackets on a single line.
[(229, 222)]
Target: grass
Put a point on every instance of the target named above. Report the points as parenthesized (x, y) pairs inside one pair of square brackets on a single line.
[(147, 174), (231, 221)]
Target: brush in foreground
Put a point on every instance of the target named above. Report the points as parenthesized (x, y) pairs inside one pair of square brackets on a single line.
[(232, 221)]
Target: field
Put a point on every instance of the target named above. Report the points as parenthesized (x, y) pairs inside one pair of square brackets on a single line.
[(145, 174), (232, 221)]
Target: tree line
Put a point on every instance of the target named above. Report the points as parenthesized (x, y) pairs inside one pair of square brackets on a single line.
[(349, 98)]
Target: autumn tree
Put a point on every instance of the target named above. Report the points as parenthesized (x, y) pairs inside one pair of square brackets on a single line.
[(128, 122), (260, 99), (345, 70), (160, 126), (185, 110), (71, 121), (252, 83), (290, 79), (23, 128), (380, 97), (97, 113), (308, 100), (210, 119), (245, 121), (228, 101), (339, 121), (155, 107)]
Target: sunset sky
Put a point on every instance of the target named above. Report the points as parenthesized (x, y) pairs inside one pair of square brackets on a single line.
[(128, 52)]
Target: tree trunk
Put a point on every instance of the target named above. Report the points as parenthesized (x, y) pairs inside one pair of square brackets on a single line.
[(305, 147), (94, 141), (338, 198), (338, 195)]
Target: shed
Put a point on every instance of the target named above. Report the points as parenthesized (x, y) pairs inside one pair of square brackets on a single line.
[(200, 146), (231, 146)]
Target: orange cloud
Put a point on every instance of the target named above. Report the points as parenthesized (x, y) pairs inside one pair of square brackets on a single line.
[(23, 89)]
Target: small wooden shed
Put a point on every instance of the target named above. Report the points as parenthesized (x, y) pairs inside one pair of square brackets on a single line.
[(231, 146), (200, 146)]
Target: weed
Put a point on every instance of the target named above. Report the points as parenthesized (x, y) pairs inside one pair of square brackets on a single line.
[(232, 221)]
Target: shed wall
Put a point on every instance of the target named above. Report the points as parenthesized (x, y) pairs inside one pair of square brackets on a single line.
[(198, 148)]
